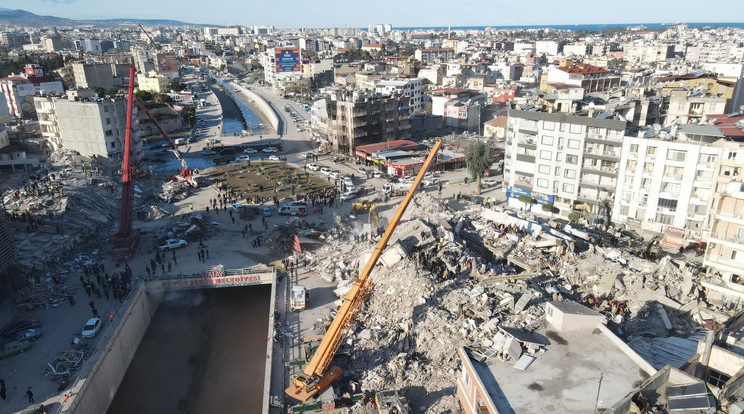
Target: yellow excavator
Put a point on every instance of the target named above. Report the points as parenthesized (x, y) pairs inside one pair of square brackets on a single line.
[(318, 374)]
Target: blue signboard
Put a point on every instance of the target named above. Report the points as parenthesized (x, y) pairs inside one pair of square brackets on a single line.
[(287, 59), (541, 198)]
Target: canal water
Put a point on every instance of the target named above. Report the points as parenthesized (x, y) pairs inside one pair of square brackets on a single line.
[(204, 352)]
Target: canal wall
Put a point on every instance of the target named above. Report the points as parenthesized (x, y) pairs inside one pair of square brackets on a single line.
[(263, 105), (93, 394)]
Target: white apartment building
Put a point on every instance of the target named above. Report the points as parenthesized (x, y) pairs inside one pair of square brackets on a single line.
[(151, 82), (277, 72), (547, 47), (91, 127), (568, 161), (666, 183), (576, 49), (725, 252), (412, 88)]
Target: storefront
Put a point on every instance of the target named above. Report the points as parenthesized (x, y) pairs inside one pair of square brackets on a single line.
[(405, 167)]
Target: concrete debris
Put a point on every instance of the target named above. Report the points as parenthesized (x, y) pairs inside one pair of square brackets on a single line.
[(457, 278)]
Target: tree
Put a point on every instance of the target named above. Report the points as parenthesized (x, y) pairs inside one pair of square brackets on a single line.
[(99, 91), (162, 98), (112, 91), (478, 158), (143, 95), (188, 113), (176, 85)]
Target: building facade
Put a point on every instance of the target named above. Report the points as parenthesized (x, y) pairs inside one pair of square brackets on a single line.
[(666, 183), (567, 161), (725, 252), (91, 127)]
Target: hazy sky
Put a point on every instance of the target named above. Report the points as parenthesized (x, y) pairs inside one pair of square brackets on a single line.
[(350, 13)]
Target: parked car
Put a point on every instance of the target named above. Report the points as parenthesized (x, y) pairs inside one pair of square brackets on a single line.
[(250, 151), (243, 158), (269, 150), (274, 158), (91, 328), (267, 212), (431, 180), (362, 171), (377, 174), (313, 167), (348, 195), (172, 244), (307, 155), (13, 348), (28, 334), (19, 326), (208, 152), (335, 174), (326, 170), (489, 182)]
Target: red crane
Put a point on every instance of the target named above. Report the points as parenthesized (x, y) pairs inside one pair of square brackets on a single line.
[(126, 240)]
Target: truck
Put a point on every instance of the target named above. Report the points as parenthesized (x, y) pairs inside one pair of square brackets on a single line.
[(396, 188), (292, 210), (298, 298)]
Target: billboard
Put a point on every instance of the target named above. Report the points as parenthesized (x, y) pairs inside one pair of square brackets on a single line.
[(287, 59)]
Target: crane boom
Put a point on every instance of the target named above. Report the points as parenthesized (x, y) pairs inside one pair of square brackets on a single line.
[(316, 375), (125, 239)]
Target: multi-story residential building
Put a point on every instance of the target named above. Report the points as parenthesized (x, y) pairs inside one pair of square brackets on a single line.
[(548, 47), (88, 74), (428, 56), (412, 88), (91, 126), (152, 82), (568, 161), (647, 53), (591, 78), (281, 64), (14, 39), (51, 43), (725, 250), (91, 46), (666, 181), (357, 119), (576, 49), (32, 82), (686, 107)]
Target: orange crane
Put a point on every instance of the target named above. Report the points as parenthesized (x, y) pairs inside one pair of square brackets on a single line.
[(317, 375)]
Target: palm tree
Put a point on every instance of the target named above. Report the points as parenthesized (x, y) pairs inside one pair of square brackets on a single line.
[(478, 159)]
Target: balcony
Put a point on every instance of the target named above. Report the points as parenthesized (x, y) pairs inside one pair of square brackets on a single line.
[(527, 143), (526, 158), (360, 112)]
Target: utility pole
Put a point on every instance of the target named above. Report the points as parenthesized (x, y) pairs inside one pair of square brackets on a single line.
[(599, 387)]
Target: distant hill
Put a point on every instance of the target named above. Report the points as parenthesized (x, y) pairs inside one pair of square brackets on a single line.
[(24, 18)]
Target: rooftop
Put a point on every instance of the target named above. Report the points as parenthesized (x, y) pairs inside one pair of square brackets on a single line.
[(727, 124), (565, 378), (583, 69)]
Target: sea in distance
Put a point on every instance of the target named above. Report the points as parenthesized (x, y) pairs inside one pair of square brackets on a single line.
[(574, 27)]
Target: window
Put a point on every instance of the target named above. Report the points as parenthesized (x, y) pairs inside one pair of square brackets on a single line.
[(717, 379), (113, 145), (667, 203), (108, 121), (633, 148), (574, 129), (572, 159), (543, 169), (624, 210), (681, 106), (731, 155), (568, 188), (557, 171), (543, 182), (105, 109), (574, 144), (670, 188), (547, 140), (630, 165), (562, 127), (109, 133), (664, 218), (546, 155), (569, 173), (548, 125), (650, 150), (673, 155)]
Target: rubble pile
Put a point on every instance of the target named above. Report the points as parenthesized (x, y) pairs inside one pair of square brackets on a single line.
[(449, 279), (173, 190), (65, 203)]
